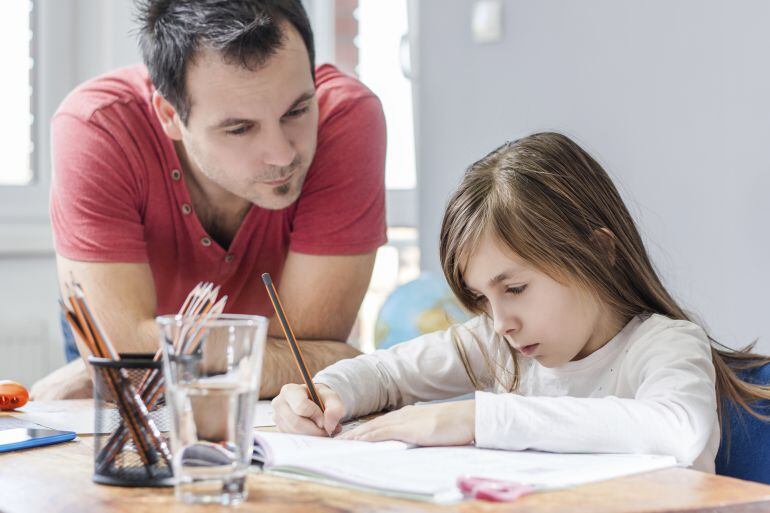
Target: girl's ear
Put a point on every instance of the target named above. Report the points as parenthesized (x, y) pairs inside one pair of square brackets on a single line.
[(606, 241)]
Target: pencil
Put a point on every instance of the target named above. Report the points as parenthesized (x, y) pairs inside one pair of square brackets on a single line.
[(135, 416), (200, 303), (295, 350)]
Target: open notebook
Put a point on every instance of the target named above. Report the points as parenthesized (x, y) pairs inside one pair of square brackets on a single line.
[(431, 473)]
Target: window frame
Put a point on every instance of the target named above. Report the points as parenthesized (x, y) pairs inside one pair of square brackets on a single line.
[(24, 222), (401, 204)]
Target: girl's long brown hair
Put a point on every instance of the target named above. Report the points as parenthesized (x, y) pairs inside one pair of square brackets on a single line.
[(548, 201)]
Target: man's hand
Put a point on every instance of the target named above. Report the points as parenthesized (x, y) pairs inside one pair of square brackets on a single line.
[(122, 298), (321, 295), (452, 423), (69, 382)]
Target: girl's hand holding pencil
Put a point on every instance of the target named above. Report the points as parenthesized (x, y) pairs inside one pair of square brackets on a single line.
[(443, 424), (303, 408), (295, 412)]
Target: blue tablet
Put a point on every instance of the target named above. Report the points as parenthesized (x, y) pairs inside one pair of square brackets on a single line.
[(23, 438)]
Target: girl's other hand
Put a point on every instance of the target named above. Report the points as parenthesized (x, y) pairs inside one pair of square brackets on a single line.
[(295, 412), (452, 423)]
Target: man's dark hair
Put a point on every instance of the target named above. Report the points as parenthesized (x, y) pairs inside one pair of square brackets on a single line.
[(246, 32)]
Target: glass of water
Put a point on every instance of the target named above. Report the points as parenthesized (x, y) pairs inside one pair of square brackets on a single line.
[(212, 368)]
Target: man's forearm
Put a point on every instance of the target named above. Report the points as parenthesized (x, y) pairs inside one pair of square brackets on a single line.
[(279, 367), (73, 381)]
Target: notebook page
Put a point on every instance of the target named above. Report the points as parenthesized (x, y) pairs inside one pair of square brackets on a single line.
[(539, 469), (272, 448), (431, 472)]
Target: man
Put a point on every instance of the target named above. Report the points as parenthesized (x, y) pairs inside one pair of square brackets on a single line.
[(229, 155)]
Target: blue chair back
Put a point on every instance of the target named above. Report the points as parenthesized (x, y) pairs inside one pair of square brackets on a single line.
[(747, 456)]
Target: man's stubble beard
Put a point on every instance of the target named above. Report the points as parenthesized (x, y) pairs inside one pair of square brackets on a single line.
[(259, 199), (283, 190), (288, 191)]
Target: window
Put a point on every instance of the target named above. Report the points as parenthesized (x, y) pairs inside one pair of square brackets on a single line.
[(16, 100), (382, 27), (37, 39), (367, 39), (368, 43)]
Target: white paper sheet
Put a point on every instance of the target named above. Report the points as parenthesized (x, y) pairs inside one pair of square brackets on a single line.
[(11, 422), (263, 416), (78, 415), (431, 473), (75, 415)]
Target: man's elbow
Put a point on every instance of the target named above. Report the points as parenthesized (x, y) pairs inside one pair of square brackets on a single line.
[(344, 350)]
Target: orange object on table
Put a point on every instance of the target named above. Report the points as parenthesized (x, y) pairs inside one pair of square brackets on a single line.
[(12, 395)]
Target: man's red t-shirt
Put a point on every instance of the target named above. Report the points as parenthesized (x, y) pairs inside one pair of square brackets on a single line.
[(118, 194)]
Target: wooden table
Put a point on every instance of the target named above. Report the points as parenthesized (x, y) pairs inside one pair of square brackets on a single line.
[(58, 479)]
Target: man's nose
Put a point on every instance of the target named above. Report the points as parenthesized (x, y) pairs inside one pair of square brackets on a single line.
[(279, 151)]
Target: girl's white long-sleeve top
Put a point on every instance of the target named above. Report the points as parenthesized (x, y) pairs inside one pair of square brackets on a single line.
[(648, 390)]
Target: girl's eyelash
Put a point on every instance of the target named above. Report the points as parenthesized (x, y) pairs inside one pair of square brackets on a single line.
[(510, 290)]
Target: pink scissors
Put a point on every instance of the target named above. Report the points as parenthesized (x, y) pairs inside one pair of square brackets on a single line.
[(495, 490)]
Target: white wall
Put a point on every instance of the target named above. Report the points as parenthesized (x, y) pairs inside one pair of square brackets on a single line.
[(104, 36), (672, 97), (30, 341)]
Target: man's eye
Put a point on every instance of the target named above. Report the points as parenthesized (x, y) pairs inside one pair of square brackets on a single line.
[(238, 131), (296, 112), (516, 290)]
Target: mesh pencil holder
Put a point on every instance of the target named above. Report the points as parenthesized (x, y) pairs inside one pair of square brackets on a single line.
[(131, 445)]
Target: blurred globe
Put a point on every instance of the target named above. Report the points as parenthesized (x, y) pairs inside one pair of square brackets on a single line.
[(415, 308)]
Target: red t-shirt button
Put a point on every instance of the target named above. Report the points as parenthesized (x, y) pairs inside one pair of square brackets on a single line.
[(186, 208), (176, 174), (229, 257), (206, 241)]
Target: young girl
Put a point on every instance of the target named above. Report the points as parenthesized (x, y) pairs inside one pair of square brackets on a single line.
[(577, 346)]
